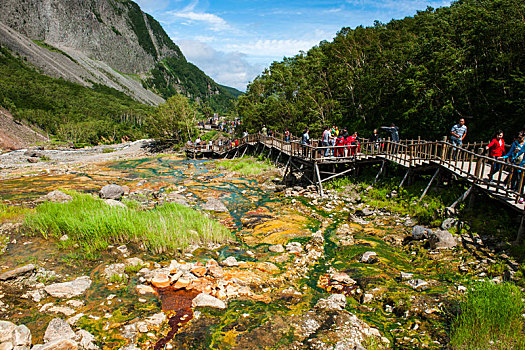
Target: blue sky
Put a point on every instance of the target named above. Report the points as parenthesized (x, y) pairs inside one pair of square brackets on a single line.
[(233, 41)]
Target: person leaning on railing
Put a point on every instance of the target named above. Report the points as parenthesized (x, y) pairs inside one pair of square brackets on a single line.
[(520, 155), (512, 155)]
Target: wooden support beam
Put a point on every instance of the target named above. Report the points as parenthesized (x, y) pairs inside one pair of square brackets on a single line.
[(379, 173), (451, 210), (339, 174), (521, 230), (320, 183), (277, 160), (428, 186), (245, 149), (236, 151), (404, 178)]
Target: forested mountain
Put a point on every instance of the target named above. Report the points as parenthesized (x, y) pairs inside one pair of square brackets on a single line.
[(106, 42), (422, 73)]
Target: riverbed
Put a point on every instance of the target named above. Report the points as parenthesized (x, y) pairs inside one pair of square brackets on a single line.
[(293, 251)]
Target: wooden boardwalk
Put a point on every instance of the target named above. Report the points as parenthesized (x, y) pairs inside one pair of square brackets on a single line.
[(466, 162)]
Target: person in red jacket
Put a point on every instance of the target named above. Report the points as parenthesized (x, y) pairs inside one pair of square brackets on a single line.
[(496, 149)]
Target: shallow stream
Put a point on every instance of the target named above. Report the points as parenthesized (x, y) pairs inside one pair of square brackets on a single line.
[(258, 217)]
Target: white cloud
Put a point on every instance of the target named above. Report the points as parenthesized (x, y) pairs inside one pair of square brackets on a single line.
[(214, 22), (226, 68), (273, 47)]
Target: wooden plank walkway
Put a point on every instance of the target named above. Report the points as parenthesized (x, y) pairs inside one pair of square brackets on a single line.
[(465, 162)]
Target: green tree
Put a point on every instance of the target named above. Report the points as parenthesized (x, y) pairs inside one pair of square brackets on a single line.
[(174, 121)]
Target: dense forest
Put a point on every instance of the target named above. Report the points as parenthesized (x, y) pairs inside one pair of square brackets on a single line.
[(422, 73)]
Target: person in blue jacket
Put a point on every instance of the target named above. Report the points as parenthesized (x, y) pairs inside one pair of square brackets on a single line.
[(519, 159), (512, 155)]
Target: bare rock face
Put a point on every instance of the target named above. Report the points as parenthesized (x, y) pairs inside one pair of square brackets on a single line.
[(120, 34)]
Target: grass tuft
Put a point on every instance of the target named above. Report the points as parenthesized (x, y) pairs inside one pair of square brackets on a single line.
[(93, 225), (247, 166), (490, 318)]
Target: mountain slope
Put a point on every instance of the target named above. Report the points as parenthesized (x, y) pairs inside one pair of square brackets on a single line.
[(109, 42)]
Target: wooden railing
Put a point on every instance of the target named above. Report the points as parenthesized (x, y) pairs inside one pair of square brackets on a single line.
[(466, 161)]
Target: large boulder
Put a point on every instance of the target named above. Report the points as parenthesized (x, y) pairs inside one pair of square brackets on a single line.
[(111, 192), (69, 289), (22, 338), (58, 329), (442, 239), (6, 331)]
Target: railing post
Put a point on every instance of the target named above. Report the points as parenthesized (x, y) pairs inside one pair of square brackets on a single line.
[(444, 150)]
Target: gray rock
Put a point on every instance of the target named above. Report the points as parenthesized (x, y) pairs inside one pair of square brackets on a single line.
[(364, 212), (55, 196), (369, 257), (333, 303), (278, 248), (86, 340), (441, 239), (447, 224), (207, 300), (420, 232), (22, 337), (6, 346), (33, 153), (111, 192), (214, 204), (6, 331), (58, 344), (17, 272), (177, 198), (33, 159), (114, 270), (367, 298), (115, 204), (58, 329), (294, 247), (230, 262), (418, 283), (406, 275), (69, 289)]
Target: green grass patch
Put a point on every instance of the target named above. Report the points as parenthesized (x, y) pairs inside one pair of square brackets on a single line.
[(93, 225), (247, 166), (490, 318), (10, 213)]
